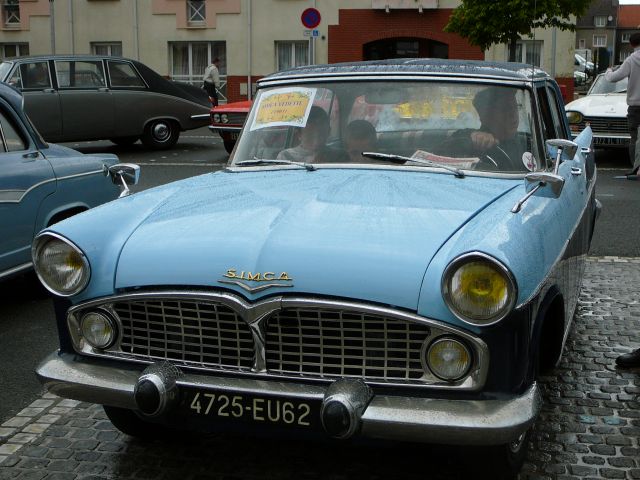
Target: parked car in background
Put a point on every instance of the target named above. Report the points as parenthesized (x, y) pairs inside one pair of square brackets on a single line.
[(355, 271), (41, 184), (579, 78), (227, 120), (604, 107), (83, 97), (583, 65)]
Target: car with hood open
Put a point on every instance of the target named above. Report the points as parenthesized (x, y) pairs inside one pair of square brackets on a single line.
[(93, 97), (382, 282)]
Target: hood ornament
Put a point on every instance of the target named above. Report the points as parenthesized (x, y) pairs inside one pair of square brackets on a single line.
[(256, 282)]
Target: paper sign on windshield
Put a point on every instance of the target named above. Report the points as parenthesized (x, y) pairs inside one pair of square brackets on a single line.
[(284, 107)]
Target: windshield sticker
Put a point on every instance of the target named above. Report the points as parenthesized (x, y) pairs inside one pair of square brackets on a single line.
[(528, 161), (465, 163), (284, 107)]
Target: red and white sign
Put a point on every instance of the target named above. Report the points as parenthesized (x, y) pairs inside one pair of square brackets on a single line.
[(310, 18)]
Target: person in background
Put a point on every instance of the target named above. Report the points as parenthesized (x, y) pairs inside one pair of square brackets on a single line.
[(631, 69), (313, 139), (360, 136), (211, 81)]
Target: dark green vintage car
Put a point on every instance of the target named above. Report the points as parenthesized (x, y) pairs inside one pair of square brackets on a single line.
[(88, 97)]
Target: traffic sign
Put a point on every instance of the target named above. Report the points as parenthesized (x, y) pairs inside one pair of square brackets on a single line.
[(310, 18)]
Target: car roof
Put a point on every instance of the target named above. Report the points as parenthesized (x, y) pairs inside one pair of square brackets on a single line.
[(418, 66), (44, 58)]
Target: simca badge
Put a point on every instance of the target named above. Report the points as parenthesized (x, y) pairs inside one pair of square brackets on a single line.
[(256, 282)]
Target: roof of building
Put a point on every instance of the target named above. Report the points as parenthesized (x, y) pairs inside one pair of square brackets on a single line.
[(420, 66), (629, 16)]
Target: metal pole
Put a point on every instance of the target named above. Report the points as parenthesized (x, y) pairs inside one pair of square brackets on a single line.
[(73, 40), (52, 19), (553, 52), (249, 47), (136, 36)]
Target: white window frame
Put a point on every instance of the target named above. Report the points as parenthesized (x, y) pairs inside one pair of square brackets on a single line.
[(22, 49), (196, 12), (600, 21), (625, 37), (195, 78), (295, 44), (11, 13), (624, 54), (110, 47), (526, 45), (582, 44), (596, 40)]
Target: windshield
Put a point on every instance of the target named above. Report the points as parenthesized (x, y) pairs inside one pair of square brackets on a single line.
[(601, 86), (466, 126)]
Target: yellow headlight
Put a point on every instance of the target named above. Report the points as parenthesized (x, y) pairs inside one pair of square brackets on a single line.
[(479, 290), (574, 117)]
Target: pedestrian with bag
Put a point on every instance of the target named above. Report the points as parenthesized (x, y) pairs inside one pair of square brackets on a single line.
[(630, 69), (211, 81)]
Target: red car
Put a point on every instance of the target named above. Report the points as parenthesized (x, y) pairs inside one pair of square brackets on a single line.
[(228, 120)]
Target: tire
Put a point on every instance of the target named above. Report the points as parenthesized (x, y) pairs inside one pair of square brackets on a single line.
[(228, 145), (160, 134), (125, 141), (129, 423), (505, 461)]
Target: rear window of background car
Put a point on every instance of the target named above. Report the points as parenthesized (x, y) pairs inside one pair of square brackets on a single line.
[(123, 75)]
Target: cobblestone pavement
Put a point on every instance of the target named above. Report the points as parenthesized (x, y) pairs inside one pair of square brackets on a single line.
[(589, 427)]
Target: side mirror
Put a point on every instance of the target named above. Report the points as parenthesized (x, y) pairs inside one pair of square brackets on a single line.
[(125, 174), (561, 145), (548, 184)]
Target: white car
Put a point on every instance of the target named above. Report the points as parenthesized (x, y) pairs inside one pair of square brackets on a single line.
[(604, 107)]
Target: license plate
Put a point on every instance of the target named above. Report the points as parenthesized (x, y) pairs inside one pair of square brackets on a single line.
[(280, 411), (610, 141), (234, 135)]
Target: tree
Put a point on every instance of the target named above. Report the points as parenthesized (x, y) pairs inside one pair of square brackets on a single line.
[(486, 22)]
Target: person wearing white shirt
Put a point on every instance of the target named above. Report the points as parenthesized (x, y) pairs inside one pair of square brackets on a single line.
[(211, 81)]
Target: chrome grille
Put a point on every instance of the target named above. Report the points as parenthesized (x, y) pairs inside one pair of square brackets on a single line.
[(236, 118), (332, 343), (185, 333), (606, 124)]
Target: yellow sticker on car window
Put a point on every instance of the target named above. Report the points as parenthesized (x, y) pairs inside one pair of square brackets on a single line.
[(284, 106)]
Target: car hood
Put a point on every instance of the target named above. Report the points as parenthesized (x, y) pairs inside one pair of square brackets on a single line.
[(606, 105), (366, 234)]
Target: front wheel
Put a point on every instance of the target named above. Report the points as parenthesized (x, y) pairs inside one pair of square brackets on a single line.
[(505, 461), (161, 134), (131, 424)]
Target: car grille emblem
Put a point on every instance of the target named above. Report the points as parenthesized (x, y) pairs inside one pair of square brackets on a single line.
[(256, 282)]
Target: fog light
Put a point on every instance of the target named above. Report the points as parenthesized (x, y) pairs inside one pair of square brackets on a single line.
[(216, 117), (98, 329), (224, 118), (448, 359)]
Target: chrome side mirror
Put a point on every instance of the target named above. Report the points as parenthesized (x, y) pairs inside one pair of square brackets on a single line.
[(567, 147), (125, 174), (548, 184)]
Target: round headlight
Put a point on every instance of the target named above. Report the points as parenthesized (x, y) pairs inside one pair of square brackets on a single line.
[(478, 289), (60, 265), (448, 359), (224, 118), (98, 329), (574, 117), (216, 117)]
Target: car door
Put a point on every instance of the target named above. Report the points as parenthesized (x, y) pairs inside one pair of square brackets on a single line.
[(86, 103), (26, 178), (41, 101)]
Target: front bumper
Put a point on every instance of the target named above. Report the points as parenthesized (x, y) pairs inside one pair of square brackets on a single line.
[(442, 421)]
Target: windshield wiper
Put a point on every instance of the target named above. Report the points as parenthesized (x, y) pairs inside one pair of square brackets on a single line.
[(400, 159), (621, 91), (267, 161)]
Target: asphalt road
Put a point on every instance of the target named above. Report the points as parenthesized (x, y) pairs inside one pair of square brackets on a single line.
[(27, 328)]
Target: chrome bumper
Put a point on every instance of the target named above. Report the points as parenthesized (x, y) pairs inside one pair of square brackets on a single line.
[(454, 422)]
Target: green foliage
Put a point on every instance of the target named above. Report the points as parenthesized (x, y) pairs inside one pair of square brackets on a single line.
[(486, 22)]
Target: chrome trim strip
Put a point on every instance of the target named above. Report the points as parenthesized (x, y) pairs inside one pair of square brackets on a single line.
[(254, 289), (225, 129), (19, 268), (457, 422), (253, 313), (44, 182)]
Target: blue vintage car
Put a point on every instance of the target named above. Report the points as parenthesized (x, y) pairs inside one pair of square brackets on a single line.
[(394, 251), (41, 184)]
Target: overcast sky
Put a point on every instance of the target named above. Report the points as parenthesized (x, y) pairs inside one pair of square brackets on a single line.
[(629, 2)]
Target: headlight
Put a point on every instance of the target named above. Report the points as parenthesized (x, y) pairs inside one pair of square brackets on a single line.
[(448, 359), (478, 289), (216, 117), (98, 329), (60, 265), (574, 117), (224, 118)]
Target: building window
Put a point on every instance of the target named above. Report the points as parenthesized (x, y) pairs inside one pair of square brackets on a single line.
[(599, 40), (196, 11), (529, 52), (189, 59), (582, 44), (11, 13), (624, 55), (110, 49), (11, 50), (600, 21), (625, 37), (291, 54)]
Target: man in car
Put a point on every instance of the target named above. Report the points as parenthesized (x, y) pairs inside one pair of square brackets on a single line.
[(631, 69)]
